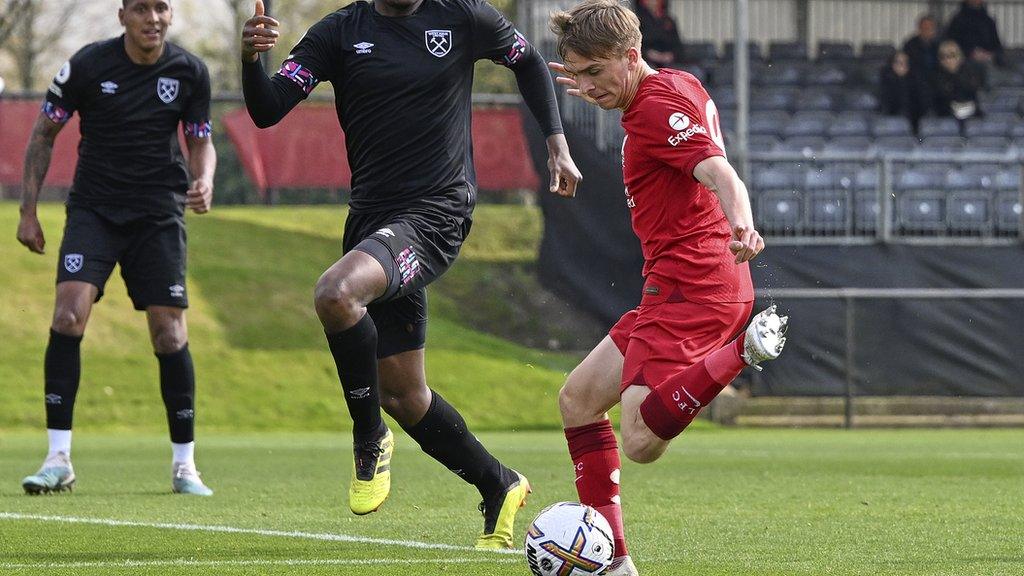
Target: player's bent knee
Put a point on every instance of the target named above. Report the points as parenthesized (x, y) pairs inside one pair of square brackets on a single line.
[(333, 298), (68, 321), (574, 405)]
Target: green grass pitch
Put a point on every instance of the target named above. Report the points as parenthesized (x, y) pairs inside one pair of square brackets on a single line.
[(721, 502)]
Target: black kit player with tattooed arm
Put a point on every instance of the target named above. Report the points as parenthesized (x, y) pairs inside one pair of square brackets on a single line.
[(126, 207), (402, 72)]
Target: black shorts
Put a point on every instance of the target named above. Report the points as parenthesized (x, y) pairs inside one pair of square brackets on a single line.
[(149, 248), (415, 245)]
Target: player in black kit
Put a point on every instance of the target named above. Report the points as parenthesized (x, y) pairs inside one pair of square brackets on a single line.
[(402, 72), (126, 207)]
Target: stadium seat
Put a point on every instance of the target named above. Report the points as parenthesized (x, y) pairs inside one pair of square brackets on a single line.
[(1006, 78), (768, 122), (825, 74), (827, 211), (921, 211), (835, 51), (753, 49), (938, 127), (987, 145), (810, 99), (970, 180), (724, 97), (890, 126), (868, 74), (699, 72), (848, 145), (805, 124), (997, 124), (780, 51), (895, 144), (969, 212), (782, 74), (778, 98), (774, 179), (866, 178), (860, 100), (762, 143), (699, 51), (927, 177), (727, 122), (849, 124), (876, 51), (1008, 179), (866, 210), (939, 145), (1008, 212), (806, 145), (1001, 100), (830, 177), (780, 211)]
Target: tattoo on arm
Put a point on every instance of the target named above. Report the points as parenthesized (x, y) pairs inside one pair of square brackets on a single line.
[(37, 160)]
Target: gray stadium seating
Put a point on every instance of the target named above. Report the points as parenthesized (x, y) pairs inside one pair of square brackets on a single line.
[(925, 177), (861, 100), (811, 99), (849, 145), (783, 74), (938, 127), (892, 144), (768, 122), (850, 124), (772, 99), (835, 51), (1008, 212), (780, 211), (806, 145), (921, 211), (699, 51), (753, 49), (995, 124), (827, 211), (876, 51), (866, 210), (774, 178), (779, 51), (969, 212), (890, 126), (825, 74)]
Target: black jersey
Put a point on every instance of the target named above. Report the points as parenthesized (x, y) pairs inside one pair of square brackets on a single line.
[(403, 92), (129, 155)]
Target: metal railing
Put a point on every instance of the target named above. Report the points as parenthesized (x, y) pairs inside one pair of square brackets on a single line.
[(851, 296)]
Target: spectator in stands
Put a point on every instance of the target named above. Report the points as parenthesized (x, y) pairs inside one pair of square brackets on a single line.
[(900, 91), (661, 44), (956, 83), (975, 31), (923, 47)]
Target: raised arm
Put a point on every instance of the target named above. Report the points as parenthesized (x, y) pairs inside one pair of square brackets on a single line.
[(719, 176), (267, 99), (37, 164)]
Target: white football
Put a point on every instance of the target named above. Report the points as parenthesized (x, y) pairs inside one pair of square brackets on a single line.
[(569, 539)]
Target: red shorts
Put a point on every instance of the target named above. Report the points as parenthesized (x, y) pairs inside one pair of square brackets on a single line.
[(660, 338)]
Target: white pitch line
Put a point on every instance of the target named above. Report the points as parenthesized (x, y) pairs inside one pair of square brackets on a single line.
[(255, 531), (215, 563)]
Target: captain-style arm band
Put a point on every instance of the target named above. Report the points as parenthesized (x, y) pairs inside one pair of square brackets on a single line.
[(270, 99), (537, 89)]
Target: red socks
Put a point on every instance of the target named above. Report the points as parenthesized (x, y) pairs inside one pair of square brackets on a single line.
[(674, 403), (595, 457)]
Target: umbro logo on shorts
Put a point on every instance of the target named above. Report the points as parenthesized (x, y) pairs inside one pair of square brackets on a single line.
[(73, 262), (177, 291), (386, 232)]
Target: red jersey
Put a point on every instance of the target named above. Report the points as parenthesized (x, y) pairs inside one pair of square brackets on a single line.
[(671, 126)]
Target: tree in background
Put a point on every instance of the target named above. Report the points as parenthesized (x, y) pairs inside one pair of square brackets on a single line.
[(32, 32), (11, 13)]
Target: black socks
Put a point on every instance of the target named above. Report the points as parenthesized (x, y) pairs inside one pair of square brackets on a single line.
[(62, 368), (178, 389), (355, 355)]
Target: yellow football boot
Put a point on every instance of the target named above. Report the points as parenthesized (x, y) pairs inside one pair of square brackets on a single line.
[(498, 523), (371, 475)]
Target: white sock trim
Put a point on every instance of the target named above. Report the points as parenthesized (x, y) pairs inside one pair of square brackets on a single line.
[(183, 453), (60, 441)]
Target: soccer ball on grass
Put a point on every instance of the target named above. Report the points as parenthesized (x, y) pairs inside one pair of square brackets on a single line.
[(569, 539)]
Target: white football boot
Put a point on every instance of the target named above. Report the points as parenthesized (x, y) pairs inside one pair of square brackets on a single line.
[(55, 475), (765, 337), (185, 480)]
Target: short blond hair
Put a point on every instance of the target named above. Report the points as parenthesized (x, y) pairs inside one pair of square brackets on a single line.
[(596, 29)]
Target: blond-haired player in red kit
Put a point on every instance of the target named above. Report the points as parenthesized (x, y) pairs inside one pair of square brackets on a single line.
[(674, 353)]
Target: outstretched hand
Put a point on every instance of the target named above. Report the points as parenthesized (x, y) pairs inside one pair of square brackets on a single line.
[(567, 79), (258, 34)]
